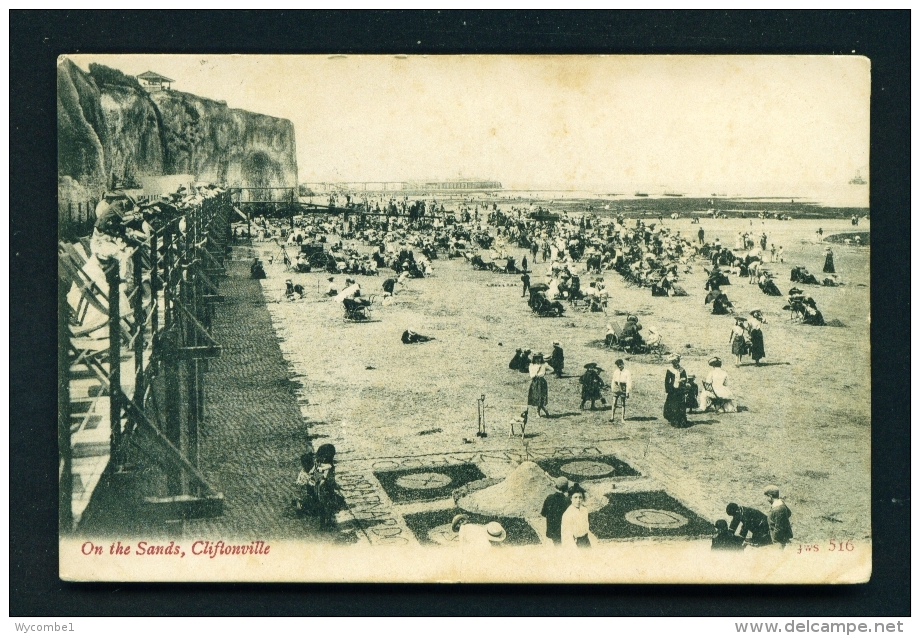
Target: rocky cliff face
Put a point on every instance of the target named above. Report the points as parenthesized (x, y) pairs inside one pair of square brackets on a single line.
[(108, 124), (225, 145), (80, 151)]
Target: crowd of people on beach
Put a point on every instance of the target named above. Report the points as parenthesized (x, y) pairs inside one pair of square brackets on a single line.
[(577, 253)]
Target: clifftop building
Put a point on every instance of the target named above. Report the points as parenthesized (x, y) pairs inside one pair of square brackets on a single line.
[(154, 81)]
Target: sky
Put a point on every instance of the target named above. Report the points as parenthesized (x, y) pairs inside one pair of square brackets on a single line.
[(742, 124)]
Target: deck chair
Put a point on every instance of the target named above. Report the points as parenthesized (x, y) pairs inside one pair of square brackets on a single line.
[(653, 342), (613, 339), (716, 403)]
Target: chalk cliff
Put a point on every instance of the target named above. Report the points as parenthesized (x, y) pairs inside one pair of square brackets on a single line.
[(108, 124)]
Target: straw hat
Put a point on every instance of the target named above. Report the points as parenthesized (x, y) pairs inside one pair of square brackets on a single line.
[(772, 491), (495, 532), (715, 361), (674, 358)]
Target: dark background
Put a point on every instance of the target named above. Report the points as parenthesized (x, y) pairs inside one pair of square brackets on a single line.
[(38, 37)]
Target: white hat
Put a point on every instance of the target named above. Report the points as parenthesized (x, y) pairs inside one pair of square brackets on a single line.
[(495, 532)]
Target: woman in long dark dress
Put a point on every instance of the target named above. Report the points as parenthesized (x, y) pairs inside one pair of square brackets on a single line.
[(721, 305), (756, 336), (737, 338), (538, 395), (591, 385), (675, 386), (829, 261)]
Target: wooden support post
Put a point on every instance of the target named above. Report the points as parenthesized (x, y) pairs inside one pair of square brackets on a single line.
[(65, 485), (154, 285), (168, 249), (171, 342), (113, 278), (140, 327), (191, 337)]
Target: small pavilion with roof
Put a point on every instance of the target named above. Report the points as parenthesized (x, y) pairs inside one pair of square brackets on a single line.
[(154, 81)]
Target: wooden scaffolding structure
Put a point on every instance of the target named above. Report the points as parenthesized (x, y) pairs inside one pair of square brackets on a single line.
[(133, 350)]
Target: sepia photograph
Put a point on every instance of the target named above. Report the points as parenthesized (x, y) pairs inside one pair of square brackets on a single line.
[(464, 318)]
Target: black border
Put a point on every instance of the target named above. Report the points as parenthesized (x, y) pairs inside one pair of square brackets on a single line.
[(38, 37)]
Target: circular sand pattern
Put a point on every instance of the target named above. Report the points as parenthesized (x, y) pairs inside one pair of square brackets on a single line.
[(587, 468), (423, 481), (650, 518), (444, 535)]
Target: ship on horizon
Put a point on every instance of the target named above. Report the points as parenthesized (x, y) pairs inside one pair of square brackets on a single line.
[(858, 180), (641, 194)]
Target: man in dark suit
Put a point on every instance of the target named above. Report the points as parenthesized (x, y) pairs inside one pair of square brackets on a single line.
[(749, 520), (525, 278), (778, 519), (557, 360), (554, 507)]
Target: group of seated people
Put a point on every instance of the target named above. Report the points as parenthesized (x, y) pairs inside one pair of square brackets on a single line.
[(666, 285), (503, 265), (294, 291), (721, 305), (301, 264), (541, 304), (354, 263), (520, 361), (414, 267), (767, 285), (804, 308), (562, 283), (717, 278), (629, 338), (803, 276)]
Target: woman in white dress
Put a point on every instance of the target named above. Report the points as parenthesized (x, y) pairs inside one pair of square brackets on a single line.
[(575, 530), (716, 391)]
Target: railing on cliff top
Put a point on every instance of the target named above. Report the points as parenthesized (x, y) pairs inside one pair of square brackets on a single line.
[(153, 325), (76, 219)]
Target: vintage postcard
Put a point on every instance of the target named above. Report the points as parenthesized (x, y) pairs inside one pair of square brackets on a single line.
[(586, 319)]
